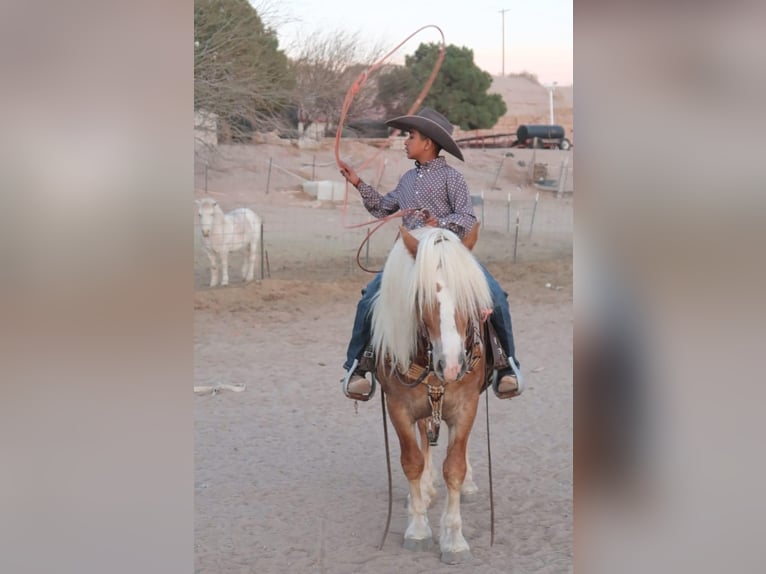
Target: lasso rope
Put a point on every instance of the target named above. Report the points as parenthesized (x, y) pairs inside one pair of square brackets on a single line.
[(352, 92)]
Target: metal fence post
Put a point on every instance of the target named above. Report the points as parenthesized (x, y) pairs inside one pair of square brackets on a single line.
[(562, 175), (534, 210), (268, 177), (497, 174), (263, 250)]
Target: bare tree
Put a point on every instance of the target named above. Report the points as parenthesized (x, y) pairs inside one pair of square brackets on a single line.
[(325, 67)]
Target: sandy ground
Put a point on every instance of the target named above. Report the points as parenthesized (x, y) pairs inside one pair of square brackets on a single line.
[(290, 476)]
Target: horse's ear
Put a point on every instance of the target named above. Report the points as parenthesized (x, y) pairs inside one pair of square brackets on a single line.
[(470, 238), (410, 242)]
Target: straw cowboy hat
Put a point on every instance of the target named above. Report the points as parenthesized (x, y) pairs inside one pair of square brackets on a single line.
[(431, 124)]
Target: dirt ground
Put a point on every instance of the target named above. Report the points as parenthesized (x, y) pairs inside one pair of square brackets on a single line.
[(290, 476)]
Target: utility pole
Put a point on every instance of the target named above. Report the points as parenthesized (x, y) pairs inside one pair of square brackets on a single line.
[(550, 99), (502, 12)]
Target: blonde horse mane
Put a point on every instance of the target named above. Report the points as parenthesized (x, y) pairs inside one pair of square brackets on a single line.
[(408, 286)]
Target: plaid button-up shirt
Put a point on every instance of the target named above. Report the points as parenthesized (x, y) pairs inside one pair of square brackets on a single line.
[(433, 186)]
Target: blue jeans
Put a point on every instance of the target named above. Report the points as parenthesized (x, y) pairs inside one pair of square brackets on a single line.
[(361, 333)]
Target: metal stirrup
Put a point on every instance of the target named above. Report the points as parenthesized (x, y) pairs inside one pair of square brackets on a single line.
[(347, 378), (519, 378)]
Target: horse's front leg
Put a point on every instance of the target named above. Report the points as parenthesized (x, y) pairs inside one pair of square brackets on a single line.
[(469, 486), (224, 267), (418, 535), (213, 267), (427, 488), (454, 547), (252, 249)]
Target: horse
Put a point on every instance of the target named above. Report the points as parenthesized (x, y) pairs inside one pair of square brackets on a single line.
[(428, 340), (223, 233)]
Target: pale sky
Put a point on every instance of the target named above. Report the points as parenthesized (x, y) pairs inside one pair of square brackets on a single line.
[(538, 33)]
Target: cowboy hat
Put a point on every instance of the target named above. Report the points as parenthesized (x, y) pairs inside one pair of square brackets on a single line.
[(431, 124)]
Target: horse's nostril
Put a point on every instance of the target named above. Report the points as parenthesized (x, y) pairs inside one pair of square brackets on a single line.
[(441, 364)]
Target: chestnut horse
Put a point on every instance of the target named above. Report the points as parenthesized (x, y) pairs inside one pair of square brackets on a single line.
[(426, 332)]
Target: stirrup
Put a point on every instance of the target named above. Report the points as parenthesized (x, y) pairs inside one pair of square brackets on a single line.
[(357, 396), (519, 382)]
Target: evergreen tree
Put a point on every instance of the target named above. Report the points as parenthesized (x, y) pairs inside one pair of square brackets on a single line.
[(239, 72), (459, 90)]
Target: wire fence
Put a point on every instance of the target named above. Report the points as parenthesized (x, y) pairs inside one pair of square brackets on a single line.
[(309, 239), (316, 246)]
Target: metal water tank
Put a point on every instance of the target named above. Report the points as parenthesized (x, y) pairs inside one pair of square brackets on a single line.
[(524, 133)]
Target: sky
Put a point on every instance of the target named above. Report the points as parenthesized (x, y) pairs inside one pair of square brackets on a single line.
[(533, 35)]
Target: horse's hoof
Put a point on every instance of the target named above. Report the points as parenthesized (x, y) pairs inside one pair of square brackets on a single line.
[(469, 489), (463, 557), (422, 545)]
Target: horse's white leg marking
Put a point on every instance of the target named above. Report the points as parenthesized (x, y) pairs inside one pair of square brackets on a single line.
[(224, 267), (213, 267), (469, 486), (245, 259), (451, 536), (253, 246), (418, 535), (454, 547), (418, 528)]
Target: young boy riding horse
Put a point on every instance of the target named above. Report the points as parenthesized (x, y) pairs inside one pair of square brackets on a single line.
[(436, 194)]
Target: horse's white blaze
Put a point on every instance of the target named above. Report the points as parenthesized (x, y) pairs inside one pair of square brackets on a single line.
[(451, 342), (223, 233)]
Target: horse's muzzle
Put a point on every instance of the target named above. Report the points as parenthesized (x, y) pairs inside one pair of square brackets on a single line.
[(453, 374)]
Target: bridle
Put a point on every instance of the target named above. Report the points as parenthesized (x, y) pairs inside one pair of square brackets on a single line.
[(417, 374)]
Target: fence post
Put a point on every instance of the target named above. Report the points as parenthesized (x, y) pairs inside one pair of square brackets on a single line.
[(263, 250), (497, 174), (562, 175), (508, 214), (313, 167), (516, 241), (268, 177), (534, 210)]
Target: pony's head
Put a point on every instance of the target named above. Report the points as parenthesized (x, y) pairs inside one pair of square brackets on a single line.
[(431, 283), (206, 211)]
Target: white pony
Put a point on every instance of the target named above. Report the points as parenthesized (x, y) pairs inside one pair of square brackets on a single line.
[(226, 232)]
